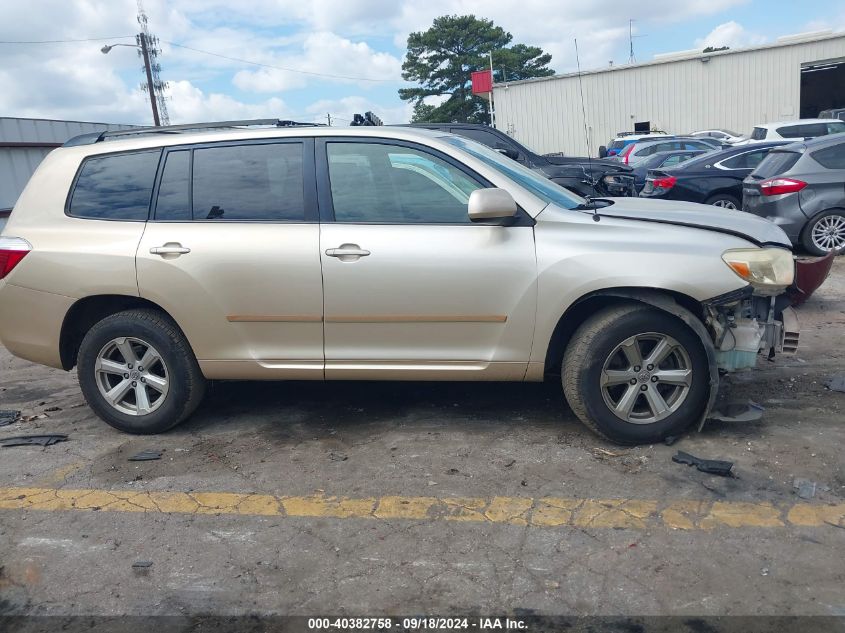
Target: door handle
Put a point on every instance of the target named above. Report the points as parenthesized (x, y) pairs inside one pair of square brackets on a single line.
[(171, 248), (347, 252)]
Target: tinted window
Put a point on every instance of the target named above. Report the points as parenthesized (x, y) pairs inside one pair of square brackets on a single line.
[(776, 163), (116, 187), (831, 157), (373, 182), (174, 195), (696, 145), (249, 182), (748, 160), (803, 130), (758, 133), (676, 159), (836, 127), (482, 136)]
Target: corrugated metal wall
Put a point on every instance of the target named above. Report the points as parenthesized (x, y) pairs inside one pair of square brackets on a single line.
[(25, 142), (733, 90)]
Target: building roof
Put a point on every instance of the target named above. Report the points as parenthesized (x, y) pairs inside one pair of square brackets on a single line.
[(681, 56)]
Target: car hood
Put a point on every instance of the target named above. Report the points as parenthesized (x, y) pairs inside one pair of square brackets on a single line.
[(700, 216)]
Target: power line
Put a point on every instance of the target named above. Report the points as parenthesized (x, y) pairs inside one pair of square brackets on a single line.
[(90, 39), (291, 70)]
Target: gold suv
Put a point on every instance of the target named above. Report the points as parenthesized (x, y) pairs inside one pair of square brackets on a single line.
[(153, 260)]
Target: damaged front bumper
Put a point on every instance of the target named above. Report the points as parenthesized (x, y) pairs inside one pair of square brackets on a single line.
[(743, 325)]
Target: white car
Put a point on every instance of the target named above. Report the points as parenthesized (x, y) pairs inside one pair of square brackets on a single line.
[(726, 136), (797, 130)]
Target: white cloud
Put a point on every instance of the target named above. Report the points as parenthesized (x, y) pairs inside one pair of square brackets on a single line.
[(189, 104), (730, 34), (323, 52)]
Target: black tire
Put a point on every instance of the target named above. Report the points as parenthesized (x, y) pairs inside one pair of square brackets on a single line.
[(596, 340), (807, 234), (186, 384), (723, 200)]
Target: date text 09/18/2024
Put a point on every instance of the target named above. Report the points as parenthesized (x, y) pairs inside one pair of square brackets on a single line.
[(417, 623)]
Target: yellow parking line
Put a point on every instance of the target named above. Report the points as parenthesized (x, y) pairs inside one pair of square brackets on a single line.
[(637, 514)]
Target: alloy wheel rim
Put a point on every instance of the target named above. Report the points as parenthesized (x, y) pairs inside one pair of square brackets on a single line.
[(725, 204), (829, 233), (646, 378), (131, 376)]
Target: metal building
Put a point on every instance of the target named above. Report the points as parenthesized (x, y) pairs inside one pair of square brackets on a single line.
[(795, 77), (23, 145)]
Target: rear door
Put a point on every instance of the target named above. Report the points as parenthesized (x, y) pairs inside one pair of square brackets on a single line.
[(232, 253), (412, 287)]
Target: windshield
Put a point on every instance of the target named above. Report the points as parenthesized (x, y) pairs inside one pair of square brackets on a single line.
[(528, 179)]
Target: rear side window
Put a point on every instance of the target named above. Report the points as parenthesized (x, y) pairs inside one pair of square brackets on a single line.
[(776, 163), (758, 133), (831, 157), (249, 182), (115, 187), (748, 160)]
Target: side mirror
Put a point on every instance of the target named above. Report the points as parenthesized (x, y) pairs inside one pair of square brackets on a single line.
[(491, 204), (507, 151), (602, 151)]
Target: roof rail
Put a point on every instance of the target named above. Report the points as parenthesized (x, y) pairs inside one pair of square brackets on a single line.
[(97, 137)]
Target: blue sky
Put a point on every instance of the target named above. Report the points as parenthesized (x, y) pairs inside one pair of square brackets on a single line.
[(362, 42)]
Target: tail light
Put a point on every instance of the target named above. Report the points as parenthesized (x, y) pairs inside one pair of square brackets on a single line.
[(12, 251), (664, 182), (777, 186)]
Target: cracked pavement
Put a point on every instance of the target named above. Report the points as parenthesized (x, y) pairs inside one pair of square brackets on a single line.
[(305, 498)]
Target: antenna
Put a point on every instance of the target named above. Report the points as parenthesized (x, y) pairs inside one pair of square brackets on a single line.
[(149, 43), (586, 133), (631, 57)]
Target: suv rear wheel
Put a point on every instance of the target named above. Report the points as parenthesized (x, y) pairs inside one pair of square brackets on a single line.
[(138, 373), (635, 374)]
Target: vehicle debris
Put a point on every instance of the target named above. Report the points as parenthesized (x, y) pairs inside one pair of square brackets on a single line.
[(671, 439), (806, 488), (8, 416), (338, 457), (146, 456), (836, 383), (33, 440), (711, 466), (142, 564), (52, 409), (737, 412)]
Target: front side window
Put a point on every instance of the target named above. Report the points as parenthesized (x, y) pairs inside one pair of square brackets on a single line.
[(115, 187), (256, 182), (374, 182)]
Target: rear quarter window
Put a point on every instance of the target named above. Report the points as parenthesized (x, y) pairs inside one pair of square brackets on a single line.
[(115, 187), (758, 133), (831, 157), (776, 163)]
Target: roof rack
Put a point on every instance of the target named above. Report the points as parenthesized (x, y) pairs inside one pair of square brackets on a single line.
[(97, 137)]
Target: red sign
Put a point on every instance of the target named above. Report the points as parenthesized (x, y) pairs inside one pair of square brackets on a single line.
[(482, 82)]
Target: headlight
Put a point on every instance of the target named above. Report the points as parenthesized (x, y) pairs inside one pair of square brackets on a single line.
[(769, 270)]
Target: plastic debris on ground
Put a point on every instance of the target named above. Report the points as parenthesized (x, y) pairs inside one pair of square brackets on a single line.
[(806, 488), (7, 417), (711, 466), (33, 440), (737, 412), (836, 383), (146, 456)]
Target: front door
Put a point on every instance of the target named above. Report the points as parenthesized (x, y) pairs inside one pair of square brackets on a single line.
[(412, 288), (232, 253)]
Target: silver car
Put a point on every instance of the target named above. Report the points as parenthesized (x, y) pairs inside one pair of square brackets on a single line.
[(800, 188), (154, 262)]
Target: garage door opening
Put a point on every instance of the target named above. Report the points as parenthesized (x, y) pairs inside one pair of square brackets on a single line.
[(822, 87)]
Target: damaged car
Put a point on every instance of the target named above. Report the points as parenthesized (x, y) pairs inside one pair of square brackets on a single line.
[(156, 260)]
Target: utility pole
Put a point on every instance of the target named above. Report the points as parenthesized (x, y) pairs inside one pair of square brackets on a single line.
[(631, 58), (142, 37), (329, 118), (492, 109)]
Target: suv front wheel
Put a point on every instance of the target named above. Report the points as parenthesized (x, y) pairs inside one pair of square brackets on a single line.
[(635, 374), (138, 373)]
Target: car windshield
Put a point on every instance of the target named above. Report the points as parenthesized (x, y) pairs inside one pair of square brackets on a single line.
[(539, 185)]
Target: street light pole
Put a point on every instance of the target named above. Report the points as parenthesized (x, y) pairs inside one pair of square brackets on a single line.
[(141, 38), (150, 90)]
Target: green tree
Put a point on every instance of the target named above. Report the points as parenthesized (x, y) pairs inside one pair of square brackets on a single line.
[(442, 58)]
